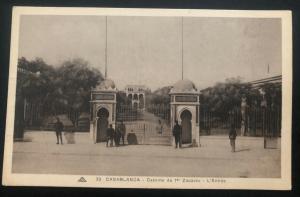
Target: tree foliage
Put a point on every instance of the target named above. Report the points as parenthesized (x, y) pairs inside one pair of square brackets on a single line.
[(74, 81), (160, 96), (224, 96), (65, 88), (122, 99), (228, 95), (35, 79)]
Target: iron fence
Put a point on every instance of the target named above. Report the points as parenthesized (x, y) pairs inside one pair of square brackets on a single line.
[(256, 121), (160, 110)]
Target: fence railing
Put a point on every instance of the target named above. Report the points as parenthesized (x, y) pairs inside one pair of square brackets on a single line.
[(128, 113), (255, 121), (160, 110)]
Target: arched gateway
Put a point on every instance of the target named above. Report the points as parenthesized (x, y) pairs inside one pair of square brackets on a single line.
[(186, 124), (185, 109), (102, 124), (103, 109)]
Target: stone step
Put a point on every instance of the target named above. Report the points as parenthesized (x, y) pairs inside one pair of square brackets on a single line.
[(161, 140), (153, 139)]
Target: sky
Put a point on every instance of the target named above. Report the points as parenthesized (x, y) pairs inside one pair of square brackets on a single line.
[(149, 50)]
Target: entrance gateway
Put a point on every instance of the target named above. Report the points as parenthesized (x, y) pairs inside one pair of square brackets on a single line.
[(102, 124), (184, 107), (186, 125), (103, 109)]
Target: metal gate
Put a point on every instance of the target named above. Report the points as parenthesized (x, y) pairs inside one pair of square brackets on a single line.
[(149, 126)]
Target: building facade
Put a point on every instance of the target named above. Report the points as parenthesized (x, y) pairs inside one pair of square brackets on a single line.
[(137, 95)]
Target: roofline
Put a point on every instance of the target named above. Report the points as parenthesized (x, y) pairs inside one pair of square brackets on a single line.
[(275, 79)]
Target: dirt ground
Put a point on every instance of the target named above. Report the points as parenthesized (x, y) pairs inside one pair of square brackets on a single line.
[(41, 155)]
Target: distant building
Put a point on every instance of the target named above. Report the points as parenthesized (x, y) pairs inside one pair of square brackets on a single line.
[(276, 80), (136, 93)]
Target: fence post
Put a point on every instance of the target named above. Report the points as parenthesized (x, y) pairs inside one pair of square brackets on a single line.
[(243, 113), (144, 133), (263, 125)]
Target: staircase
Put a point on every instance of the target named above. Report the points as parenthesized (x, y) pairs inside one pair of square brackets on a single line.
[(147, 132), (159, 140)]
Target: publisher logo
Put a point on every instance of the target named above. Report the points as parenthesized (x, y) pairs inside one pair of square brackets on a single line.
[(82, 180)]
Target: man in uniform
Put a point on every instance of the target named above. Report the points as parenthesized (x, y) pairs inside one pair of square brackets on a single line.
[(117, 136), (177, 131), (232, 137), (110, 135), (58, 130)]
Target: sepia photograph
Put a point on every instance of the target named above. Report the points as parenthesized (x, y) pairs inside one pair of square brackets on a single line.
[(149, 98)]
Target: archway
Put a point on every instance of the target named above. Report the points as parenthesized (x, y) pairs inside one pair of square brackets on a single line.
[(142, 103), (130, 96), (186, 125), (135, 105), (102, 124)]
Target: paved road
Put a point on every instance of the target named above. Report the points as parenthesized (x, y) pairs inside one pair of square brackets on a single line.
[(213, 158)]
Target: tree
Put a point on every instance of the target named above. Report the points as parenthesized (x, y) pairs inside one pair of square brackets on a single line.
[(225, 96), (34, 79), (160, 96), (33, 84), (57, 90), (75, 78), (272, 93), (122, 99)]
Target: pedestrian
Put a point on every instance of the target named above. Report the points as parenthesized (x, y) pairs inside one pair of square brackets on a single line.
[(177, 131), (123, 131), (117, 136), (110, 135), (159, 127), (232, 137), (58, 126)]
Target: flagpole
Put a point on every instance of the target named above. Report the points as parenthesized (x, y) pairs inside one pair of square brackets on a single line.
[(181, 48), (105, 47)]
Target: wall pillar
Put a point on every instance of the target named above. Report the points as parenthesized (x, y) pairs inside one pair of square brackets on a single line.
[(243, 114)]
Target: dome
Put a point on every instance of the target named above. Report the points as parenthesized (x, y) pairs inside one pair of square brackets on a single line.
[(107, 84), (184, 86)]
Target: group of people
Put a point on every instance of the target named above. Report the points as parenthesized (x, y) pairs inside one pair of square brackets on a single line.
[(177, 133), (114, 136)]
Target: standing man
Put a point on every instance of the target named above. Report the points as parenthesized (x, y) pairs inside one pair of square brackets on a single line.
[(123, 131), (177, 131), (117, 136), (232, 137), (110, 135), (58, 130)]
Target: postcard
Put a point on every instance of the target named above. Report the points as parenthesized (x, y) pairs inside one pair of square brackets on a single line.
[(149, 98)]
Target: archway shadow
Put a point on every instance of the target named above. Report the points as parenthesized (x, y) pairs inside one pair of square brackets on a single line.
[(241, 150), (184, 146)]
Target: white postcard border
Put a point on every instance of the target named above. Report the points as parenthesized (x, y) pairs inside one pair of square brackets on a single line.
[(283, 183)]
